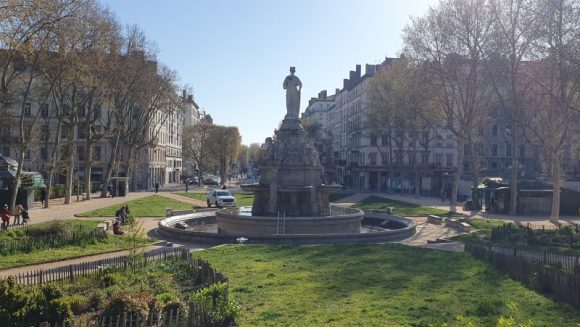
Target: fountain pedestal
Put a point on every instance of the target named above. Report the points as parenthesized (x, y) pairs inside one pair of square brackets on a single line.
[(290, 181)]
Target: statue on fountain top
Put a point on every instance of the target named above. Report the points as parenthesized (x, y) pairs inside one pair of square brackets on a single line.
[(293, 86)]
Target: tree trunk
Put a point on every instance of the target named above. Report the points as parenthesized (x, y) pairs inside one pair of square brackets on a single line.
[(110, 166), (53, 157), (128, 170), (17, 179), (555, 211), (457, 176), (69, 169), (475, 177), (514, 181), (88, 167)]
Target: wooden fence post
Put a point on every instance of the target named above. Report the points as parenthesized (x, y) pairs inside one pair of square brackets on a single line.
[(71, 273)]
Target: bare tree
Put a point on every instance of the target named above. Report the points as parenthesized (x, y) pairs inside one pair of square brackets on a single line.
[(556, 96), (448, 40), (196, 141), (514, 30), (27, 35)]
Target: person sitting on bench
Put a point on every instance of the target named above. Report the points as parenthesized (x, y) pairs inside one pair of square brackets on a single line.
[(117, 228)]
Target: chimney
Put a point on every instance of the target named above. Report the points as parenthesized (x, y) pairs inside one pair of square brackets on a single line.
[(324, 95), (369, 69), (336, 91), (357, 72), (352, 76), (345, 83), (184, 93)]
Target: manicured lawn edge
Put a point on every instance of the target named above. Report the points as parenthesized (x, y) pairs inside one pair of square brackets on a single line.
[(149, 206), (75, 257)]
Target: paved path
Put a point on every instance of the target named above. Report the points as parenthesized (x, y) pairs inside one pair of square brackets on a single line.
[(425, 231)]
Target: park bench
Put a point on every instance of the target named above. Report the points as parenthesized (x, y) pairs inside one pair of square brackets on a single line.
[(433, 219)]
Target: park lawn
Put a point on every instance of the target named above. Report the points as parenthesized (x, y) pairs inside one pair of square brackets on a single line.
[(375, 285), (151, 206), (401, 208), (113, 243), (76, 223), (194, 195), (242, 199)]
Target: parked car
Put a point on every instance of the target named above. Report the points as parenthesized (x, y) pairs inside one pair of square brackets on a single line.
[(220, 198), (211, 181)]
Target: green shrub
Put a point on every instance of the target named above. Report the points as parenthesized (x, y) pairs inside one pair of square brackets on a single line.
[(113, 278), (59, 309), (216, 309), (132, 304), (167, 297)]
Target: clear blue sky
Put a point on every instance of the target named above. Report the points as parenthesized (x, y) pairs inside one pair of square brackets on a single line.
[(236, 53)]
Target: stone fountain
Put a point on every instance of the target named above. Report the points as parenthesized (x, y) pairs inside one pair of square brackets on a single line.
[(290, 185), (291, 205)]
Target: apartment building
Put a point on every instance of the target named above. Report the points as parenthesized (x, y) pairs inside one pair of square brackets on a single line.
[(368, 162)]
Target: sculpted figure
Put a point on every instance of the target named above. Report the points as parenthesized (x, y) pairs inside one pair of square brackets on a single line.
[(292, 85)]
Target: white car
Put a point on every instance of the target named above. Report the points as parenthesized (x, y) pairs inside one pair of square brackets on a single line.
[(220, 198)]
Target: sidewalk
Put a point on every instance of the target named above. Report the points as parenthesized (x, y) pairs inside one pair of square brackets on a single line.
[(58, 210)]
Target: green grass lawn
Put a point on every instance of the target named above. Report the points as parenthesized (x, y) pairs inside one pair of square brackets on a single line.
[(113, 243), (194, 195), (375, 285), (401, 208), (151, 206), (242, 199)]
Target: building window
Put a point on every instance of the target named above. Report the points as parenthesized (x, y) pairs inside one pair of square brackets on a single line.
[(494, 130), (438, 158), (373, 139), (28, 109), (508, 149), (6, 151), (424, 158), (97, 153), (44, 110), (466, 149), (27, 155), (373, 159), (449, 159), (385, 140), (44, 153), (466, 166), (522, 151), (81, 153), (412, 158), (493, 165), (81, 132), (494, 150)]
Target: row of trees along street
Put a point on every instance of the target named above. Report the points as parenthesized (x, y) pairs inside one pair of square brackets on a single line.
[(465, 59), (212, 148), (102, 80)]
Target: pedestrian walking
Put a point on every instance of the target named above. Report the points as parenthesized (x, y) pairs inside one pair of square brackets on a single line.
[(186, 186), (17, 213), (156, 187), (5, 217), (42, 196)]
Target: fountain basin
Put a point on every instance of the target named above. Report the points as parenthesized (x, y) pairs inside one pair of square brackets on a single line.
[(341, 220), (376, 227)]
